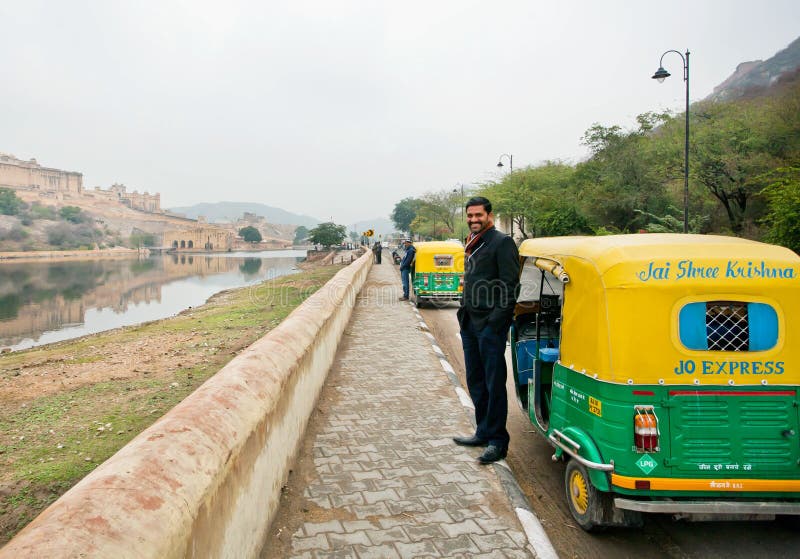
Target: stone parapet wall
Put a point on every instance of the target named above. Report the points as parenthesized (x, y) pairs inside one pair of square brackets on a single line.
[(205, 480)]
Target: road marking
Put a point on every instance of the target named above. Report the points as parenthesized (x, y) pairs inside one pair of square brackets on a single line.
[(542, 548), (464, 397), (538, 540)]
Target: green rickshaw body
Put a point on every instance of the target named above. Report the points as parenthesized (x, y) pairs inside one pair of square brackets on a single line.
[(438, 271), (667, 368)]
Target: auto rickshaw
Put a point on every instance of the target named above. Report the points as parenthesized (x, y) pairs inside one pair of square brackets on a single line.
[(438, 274), (664, 368)]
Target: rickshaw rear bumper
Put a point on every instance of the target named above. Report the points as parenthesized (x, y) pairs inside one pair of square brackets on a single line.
[(449, 296), (710, 507)]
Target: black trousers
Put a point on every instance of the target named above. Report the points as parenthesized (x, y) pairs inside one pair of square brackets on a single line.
[(484, 357)]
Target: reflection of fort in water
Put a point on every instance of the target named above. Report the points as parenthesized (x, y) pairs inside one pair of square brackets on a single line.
[(45, 296)]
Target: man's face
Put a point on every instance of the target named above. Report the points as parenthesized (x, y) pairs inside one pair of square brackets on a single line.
[(478, 219)]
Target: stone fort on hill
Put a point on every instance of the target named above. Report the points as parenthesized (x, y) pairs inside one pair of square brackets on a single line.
[(56, 184)]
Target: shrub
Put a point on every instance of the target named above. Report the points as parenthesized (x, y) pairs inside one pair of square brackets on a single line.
[(16, 234), (67, 236), (9, 203), (73, 214), (39, 211)]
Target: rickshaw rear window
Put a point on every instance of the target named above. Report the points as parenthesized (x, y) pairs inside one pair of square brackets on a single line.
[(728, 326), (443, 260)]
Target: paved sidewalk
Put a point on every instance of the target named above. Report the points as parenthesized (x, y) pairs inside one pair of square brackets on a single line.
[(379, 475)]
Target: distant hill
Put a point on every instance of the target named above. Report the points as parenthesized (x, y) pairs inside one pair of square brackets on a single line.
[(380, 225), (218, 212), (757, 77)]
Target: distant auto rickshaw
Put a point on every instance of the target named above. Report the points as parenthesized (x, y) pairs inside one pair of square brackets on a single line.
[(438, 274), (664, 368)]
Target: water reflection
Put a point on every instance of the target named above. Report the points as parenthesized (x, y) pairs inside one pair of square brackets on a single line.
[(43, 302)]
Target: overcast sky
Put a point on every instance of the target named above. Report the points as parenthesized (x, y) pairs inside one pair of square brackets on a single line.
[(338, 109)]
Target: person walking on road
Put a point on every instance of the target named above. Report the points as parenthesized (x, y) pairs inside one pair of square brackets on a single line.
[(405, 266), (376, 250), (491, 281)]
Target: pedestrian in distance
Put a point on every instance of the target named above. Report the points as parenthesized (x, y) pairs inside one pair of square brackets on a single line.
[(376, 250), (405, 267), (491, 282)]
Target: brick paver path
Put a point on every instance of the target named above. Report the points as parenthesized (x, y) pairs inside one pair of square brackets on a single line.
[(379, 475)]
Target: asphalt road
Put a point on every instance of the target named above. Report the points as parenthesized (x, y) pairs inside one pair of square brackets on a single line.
[(543, 483)]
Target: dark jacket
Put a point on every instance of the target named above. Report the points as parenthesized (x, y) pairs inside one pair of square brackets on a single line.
[(491, 282), (408, 258)]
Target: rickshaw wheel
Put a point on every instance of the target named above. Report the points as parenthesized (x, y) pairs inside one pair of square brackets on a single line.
[(584, 500), (419, 302)]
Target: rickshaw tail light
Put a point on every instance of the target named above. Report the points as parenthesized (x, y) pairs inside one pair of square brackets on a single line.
[(645, 429), (642, 484), (425, 281)]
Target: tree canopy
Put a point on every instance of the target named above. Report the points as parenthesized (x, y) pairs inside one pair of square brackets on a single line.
[(250, 234), (328, 234), (300, 234), (9, 203), (744, 157)]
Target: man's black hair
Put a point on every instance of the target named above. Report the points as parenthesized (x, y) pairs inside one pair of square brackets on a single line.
[(479, 201)]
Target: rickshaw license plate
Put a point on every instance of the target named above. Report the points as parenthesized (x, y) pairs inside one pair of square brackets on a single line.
[(595, 406)]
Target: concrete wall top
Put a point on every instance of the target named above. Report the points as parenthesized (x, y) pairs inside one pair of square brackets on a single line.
[(144, 500)]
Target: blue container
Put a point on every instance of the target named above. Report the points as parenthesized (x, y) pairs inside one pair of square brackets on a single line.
[(549, 354)]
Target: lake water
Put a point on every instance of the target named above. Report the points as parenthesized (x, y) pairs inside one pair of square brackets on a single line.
[(49, 301)]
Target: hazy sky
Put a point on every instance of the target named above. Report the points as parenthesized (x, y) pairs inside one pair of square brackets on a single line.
[(338, 109)]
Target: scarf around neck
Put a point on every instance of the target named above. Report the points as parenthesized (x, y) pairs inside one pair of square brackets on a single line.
[(473, 240)]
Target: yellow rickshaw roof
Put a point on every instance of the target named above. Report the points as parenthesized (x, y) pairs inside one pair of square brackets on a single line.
[(627, 292), (605, 252), (447, 247)]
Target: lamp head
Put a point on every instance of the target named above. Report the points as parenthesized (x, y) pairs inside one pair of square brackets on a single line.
[(661, 74), (499, 163)]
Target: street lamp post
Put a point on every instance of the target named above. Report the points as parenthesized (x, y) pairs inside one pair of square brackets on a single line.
[(510, 162), (660, 75)]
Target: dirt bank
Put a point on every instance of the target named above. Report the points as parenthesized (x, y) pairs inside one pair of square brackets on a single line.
[(67, 407)]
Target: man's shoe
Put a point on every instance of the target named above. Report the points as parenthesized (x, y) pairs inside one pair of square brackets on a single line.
[(403, 299), (492, 454), (469, 441)]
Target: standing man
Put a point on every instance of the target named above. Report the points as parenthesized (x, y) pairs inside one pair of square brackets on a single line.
[(491, 280), (376, 251), (405, 266)]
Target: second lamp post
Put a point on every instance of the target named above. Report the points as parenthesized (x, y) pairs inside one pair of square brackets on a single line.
[(510, 162)]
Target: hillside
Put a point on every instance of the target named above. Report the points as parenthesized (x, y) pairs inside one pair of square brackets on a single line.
[(758, 76), (228, 212)]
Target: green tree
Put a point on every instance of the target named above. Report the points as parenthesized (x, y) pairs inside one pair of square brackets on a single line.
[(300, 234), (623, 175), (783, 218), (9, 203), (141, 238), (404, 213), (73, 214), (328, 234), (250, 234), (528, 195)]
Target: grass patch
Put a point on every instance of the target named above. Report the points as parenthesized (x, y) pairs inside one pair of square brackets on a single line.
[(49, 442)]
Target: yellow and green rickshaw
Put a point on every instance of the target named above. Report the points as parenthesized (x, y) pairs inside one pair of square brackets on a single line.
[(665, 369), (438, 274)]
